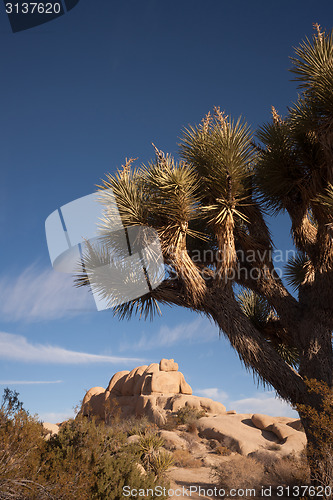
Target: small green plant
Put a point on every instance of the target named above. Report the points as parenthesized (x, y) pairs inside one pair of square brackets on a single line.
[(161, 461), (150, 442), (187, 415), (149, 446)]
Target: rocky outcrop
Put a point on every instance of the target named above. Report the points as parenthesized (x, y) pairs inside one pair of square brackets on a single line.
[(160, 390), (155, 390), (50, 429), (248, 434), (289, 431)]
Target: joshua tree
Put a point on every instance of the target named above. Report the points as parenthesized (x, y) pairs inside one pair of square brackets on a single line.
[(209, 212)]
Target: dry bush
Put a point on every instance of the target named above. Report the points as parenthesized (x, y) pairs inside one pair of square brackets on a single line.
[(86, 460), (171, 423), (192, 440), (284, 471), (240, 472), (222, 450), (290, 471), (187, 415), (192, 427), (136, 425), (183, 458)]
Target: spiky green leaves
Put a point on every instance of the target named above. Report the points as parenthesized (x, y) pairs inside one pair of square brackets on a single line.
[(295, 164), (257, 309), (313, 67), (298, 271), (173, 195), (131, 201), (278, 173), (221, 152)]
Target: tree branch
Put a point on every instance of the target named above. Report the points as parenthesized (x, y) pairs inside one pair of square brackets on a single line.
[(252, 348)]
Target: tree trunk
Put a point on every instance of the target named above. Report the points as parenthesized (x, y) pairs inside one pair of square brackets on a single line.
[(319, 451), (316, 412), (314, 405)]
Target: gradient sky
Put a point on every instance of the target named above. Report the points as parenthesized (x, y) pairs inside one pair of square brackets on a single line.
[(78, 95)]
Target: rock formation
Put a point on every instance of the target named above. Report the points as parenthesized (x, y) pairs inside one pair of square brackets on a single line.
[(159, 390), (155, 390), (251, 434)]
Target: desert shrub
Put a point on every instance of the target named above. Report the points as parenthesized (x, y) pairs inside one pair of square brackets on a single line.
[(274, 447), (114, 472), (74, 455), (96, 462), (149, 446), (192, 427), (138, 426), (290, 471), (85, 460), (171, 423), (21, 445), (241, 472), (192, 440), (187, 415), (222, 450), (183, 458)]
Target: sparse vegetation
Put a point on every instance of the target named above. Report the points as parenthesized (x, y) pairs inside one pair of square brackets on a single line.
[(245, 472), (188, 415), (290, 471), (192, 427), (253, 473), (161, 462), (171, 423), (86, 460), (183, 458), (222, 450)]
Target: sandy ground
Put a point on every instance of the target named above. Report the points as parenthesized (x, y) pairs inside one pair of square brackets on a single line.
[(182, 479)]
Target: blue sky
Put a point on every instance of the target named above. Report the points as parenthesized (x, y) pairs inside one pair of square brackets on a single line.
[(78, 95)]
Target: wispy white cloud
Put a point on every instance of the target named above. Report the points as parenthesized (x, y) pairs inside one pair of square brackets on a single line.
[(18, 348), (42, 294), (265, 402), (29, 382), (199, 330), (213, 393)]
